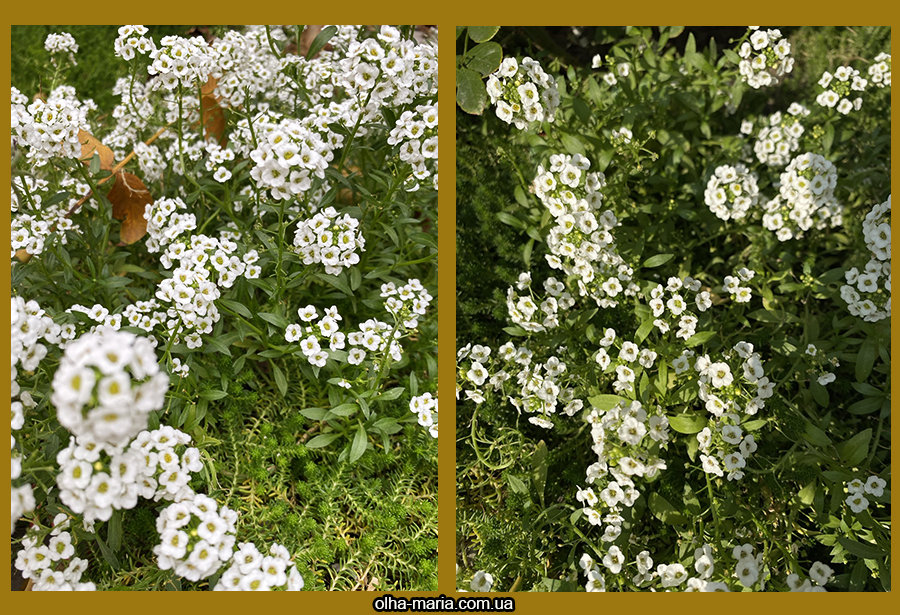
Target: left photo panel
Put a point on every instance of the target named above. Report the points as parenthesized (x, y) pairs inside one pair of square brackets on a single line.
[(224, 308)]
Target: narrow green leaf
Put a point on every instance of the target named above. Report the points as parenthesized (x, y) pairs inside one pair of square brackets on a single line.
[(280, 380), (606, 402), (656, 261), (322, 440), (358, 447), (860, 549), (663, 510), (687, 423), (320, 41)]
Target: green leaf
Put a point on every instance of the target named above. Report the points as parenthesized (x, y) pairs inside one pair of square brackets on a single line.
[(107, 553), (388, 425), (392, 394), (687, 423), (819, 393), (656, 261), (539, 470), (114, 530), (471, 95), (511, 220), (816, 436), (606, 402), (732, 56), (664, 511), (861, 549), (859, 576), (213, 394), (854, 450), (866, 406), (345, 409), (643, 331), (316, 414), (807, 494), (866, 358), (236, 306), (320, 41), (276, 319), (322, 440), (95, 163), (339, 282), (754, 425), (280, 380), (699, 338), (480, 34), (516, 484), (358, 447), (484, 58), (573, 145)]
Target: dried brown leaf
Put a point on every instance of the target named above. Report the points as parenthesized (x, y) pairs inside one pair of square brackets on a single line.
[(89, 145), (129, 197)]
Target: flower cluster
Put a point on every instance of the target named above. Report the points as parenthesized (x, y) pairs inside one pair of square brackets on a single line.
[(50, 128), (868, 293), (250, 570), (196, 537), (416, 134), (524, 311), (731, 192), (675, 311), (407, 302), (523, 93), (374, 336), (726, 394), (857, 490), (732, 285), (168, 464), (106, 385), (314, 334), (62, 43), (131, 40), (95, 478), (880, 70), (624, 363), (52, 566), (839, 87), (201, 267), (425, 407), (780, 136), (165, 222), (181, 62), (766, 56), (482, 581), (625, 439), (819, 573), (581, 242), (330, 239), (289, 153), (806, 198)]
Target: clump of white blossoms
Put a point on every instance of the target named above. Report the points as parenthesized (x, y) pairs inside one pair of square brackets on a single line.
[(181, 62), (35, 222), (106, 385), (201, 267), (425, 407), (729, 393), (96, 478), (880, 71), (168, 464), (732, 285), (868, 293), (626, 440), (131, 40), (671, 305), (196, 537), (289, 153), (52, 566), (765, 57), (49, 129), (525, 311), (731, 192), (806, 198), (581, 243), (63, 43), (313, 335), (416, 135), (839, 87), (330, 239), (857, 491), (406, 303), (780, 136), (166, 221), (819, 573), (250, 570), (523, 93)]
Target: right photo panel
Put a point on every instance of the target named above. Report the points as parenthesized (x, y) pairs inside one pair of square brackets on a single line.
[(673, 308)]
